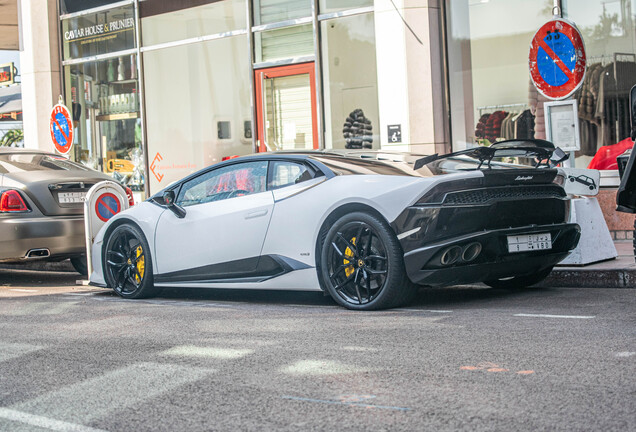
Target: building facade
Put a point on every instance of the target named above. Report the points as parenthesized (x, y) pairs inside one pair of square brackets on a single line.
[(159, 89)]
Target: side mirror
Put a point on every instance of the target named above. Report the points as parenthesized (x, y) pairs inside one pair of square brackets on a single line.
[(168, 200), (558, 156)]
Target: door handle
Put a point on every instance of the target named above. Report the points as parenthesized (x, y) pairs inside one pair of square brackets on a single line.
[(255, 214)]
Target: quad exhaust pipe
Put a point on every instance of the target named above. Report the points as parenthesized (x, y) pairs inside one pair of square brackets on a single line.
[(38, 253), (467, 253)]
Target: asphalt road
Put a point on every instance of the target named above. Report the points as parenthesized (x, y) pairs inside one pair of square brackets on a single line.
[(75, 358)]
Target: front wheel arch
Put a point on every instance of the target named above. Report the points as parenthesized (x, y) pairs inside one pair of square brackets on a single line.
[(334, 216)]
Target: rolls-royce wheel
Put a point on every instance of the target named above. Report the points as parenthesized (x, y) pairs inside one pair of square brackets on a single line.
[(519, 282), (127, 263), (80, 265), (361, 264)]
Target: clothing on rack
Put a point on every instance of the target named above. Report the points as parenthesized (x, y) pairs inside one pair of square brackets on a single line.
[(503, 125), (480, 129), (524, 125), (603, 102), (493, 125)]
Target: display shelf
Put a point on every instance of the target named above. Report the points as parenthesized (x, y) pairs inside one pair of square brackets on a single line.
[(118, 116)]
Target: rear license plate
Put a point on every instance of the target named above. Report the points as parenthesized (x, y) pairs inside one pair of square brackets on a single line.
[(530, 242), (71, 197)]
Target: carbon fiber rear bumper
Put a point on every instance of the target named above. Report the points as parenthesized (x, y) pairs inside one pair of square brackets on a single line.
[(423, 265)]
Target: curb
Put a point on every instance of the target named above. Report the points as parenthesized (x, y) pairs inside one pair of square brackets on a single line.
[(592, 278)]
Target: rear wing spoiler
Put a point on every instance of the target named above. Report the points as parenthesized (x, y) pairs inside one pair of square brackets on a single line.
[(543, 151)]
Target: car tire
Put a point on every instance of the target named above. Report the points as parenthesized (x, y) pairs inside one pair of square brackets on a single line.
[(361, 264), (519, 282), (80, 265), (128, 264)]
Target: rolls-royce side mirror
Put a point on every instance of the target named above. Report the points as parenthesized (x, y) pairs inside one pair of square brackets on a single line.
[(168, 200)]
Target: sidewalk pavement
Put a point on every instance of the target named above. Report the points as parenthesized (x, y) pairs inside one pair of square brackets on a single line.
[(615, 273)]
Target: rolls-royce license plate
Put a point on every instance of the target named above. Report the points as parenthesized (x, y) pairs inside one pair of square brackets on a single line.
[(71, 197), (529, 242)]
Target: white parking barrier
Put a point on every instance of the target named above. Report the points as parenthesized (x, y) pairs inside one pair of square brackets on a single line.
[(103, 201)]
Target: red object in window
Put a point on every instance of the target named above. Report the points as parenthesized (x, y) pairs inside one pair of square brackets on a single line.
[(229, 157), (11, 201), (129, 194), (605, 157)]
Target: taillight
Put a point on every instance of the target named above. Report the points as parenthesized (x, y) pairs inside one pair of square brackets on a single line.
[(11, 201), (129, 194)]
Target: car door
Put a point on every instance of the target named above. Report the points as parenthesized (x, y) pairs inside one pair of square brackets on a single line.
[(221, 236)]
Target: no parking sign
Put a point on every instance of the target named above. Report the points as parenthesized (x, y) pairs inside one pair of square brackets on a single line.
[(103, 201), (557, 59), (61, 126)]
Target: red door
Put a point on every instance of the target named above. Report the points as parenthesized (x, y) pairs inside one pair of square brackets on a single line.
[(286, 112)]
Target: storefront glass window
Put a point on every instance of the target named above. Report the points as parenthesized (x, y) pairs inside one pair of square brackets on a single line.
[(284, 43), (203, 20), (198, 108), (350, 82), (327, 6), (104, 99), (270, 11), (70, 6), (608, 30), (492, 96), (99, 33)]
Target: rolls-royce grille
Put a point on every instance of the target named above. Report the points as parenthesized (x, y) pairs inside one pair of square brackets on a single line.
[(482, 196)]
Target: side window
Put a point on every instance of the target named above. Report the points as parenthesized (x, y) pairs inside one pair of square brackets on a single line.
[(288, 173), (223, 183)]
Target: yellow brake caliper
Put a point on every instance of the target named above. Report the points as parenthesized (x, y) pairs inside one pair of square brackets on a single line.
[(349, 254), (140, 264)]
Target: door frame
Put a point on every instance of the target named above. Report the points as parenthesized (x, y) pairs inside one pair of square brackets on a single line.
[(283, 71)]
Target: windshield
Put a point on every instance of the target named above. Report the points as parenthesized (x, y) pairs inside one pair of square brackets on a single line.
[(25, 162)]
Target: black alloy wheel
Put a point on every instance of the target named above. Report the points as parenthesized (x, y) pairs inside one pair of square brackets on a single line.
[(361, 264), (519, 282), (127, 263)]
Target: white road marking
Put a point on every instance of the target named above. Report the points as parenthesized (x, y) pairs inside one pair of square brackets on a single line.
[(22, 290), (357, 404), (555, 316), (44, 422), (625, 354), (321, 367), (218, 353), (113, 391), (10, 351)]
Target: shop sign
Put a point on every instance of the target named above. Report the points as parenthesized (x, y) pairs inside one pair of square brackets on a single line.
[(557, 59), (100, 33), (7, 74), (61, 126)]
